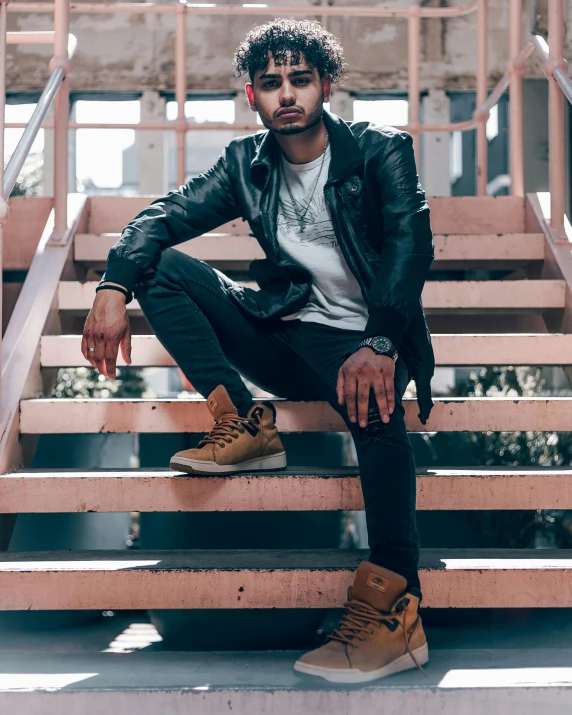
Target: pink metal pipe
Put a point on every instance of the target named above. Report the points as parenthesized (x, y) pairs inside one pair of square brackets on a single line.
[(61, 116), (413, 59), (442, 12), (181, 89), (212, 126), (482, 91), (556, 118), (30, 38), (516, 101), (4, 210)]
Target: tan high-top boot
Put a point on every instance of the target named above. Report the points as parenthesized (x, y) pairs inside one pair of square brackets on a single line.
[(235, 444), (380, 633)]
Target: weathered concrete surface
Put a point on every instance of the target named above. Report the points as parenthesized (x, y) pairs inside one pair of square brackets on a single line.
[(506, 663), (135, 52)]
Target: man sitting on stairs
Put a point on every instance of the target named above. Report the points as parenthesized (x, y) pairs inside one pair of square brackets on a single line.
[(343, 221)]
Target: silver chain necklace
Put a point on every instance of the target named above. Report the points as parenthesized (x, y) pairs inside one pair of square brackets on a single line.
[(297, 204)]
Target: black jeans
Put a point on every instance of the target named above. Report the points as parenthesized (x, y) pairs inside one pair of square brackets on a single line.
[(210, 336)]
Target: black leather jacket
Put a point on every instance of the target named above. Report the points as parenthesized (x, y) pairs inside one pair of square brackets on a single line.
[(379, 213)]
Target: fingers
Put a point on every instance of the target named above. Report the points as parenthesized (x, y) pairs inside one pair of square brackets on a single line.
[(126, 345), (340, 386), (380, 393), (350, 392), (99, 356), (390, 393), (363, 390), (88, 341), (111, 350)]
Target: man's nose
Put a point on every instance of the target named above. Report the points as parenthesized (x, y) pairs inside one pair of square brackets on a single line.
[(287, 94)]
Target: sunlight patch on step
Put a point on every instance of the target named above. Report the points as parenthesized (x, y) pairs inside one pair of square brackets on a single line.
[(506, 564), (73, 565), (134, 637), (507, 678), (40, 681)]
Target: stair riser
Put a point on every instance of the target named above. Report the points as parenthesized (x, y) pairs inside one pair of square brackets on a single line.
[(450, 350), (438, 296), (499, 587), (207, 700), (273, 493), (455, 415)]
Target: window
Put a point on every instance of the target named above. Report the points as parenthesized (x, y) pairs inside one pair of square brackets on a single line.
[(203, 147), (390, 112), (106, 158)]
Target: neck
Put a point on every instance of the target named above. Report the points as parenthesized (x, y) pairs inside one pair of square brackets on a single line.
[(304, 147)]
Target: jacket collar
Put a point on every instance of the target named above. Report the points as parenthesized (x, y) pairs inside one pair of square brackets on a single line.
[(345, 151)]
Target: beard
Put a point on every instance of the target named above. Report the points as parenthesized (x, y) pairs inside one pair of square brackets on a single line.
[(314, 118)]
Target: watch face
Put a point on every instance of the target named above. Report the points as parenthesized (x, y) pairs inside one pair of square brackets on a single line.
[(382, 345)]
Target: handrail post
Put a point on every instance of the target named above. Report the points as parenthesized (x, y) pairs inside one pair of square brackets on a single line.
[(516, 101), (4, 209), (556, 117), (414, 53), (61, 118), (482, 93), (181, 89)]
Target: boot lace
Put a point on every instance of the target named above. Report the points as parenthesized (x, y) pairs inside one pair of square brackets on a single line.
[(358, 620), (227, 426)]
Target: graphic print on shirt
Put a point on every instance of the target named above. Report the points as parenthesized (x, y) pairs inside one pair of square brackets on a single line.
[(318, 230)]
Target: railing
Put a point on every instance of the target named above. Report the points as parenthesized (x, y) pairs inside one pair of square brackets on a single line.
[(57, 90)]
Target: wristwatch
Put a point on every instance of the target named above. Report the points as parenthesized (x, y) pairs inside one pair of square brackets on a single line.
[(381, 346)]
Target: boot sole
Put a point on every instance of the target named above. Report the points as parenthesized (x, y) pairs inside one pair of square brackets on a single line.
[(198, 466), (353, 675)]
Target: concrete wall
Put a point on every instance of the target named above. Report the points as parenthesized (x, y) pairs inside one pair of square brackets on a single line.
[(134, 52)]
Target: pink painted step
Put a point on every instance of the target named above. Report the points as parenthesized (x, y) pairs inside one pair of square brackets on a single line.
[(237, 251), (291, 489), (459, 350), (49, 416), (438, 296), (450, 578), (449, 214)]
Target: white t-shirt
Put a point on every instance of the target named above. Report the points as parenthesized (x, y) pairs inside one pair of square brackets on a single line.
[(336, 298)]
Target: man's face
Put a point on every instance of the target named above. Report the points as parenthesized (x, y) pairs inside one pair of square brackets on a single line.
[(289, 98)]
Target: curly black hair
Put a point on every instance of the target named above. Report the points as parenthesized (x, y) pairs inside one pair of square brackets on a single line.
[(281, 36)]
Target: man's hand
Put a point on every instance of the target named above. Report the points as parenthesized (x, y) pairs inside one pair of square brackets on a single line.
[(107, 327), (362, 371)]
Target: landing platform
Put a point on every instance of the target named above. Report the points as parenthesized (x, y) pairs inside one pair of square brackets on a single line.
[(514, 662)]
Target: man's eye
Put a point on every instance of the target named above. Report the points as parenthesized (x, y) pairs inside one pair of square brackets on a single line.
[(268, 84)]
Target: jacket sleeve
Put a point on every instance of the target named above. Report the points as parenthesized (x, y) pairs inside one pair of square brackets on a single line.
[(204, 203), (407, 248)]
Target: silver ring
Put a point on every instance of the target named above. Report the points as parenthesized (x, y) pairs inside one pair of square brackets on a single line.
[(91, 350)]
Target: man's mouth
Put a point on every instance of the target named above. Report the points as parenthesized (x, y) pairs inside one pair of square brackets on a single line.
[(290, 113)]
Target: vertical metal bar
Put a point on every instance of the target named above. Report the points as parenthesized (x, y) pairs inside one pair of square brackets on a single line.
[(61, 119), (414, 52), (3, 204), (181, 89), (516, 131), (556, 117), (482, 93)]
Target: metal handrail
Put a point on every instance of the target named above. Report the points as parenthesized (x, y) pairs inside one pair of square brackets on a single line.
[(21, 152), (559, 73)]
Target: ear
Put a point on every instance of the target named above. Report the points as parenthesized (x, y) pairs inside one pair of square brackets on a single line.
[(326, 87), (250, 96)]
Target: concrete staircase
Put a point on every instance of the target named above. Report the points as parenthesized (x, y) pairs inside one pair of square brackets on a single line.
[(527, 310)]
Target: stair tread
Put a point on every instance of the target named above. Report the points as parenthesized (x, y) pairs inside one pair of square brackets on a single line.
[(443, 559), (296, 488), (462, 676), (450, 349), (270, 578)]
